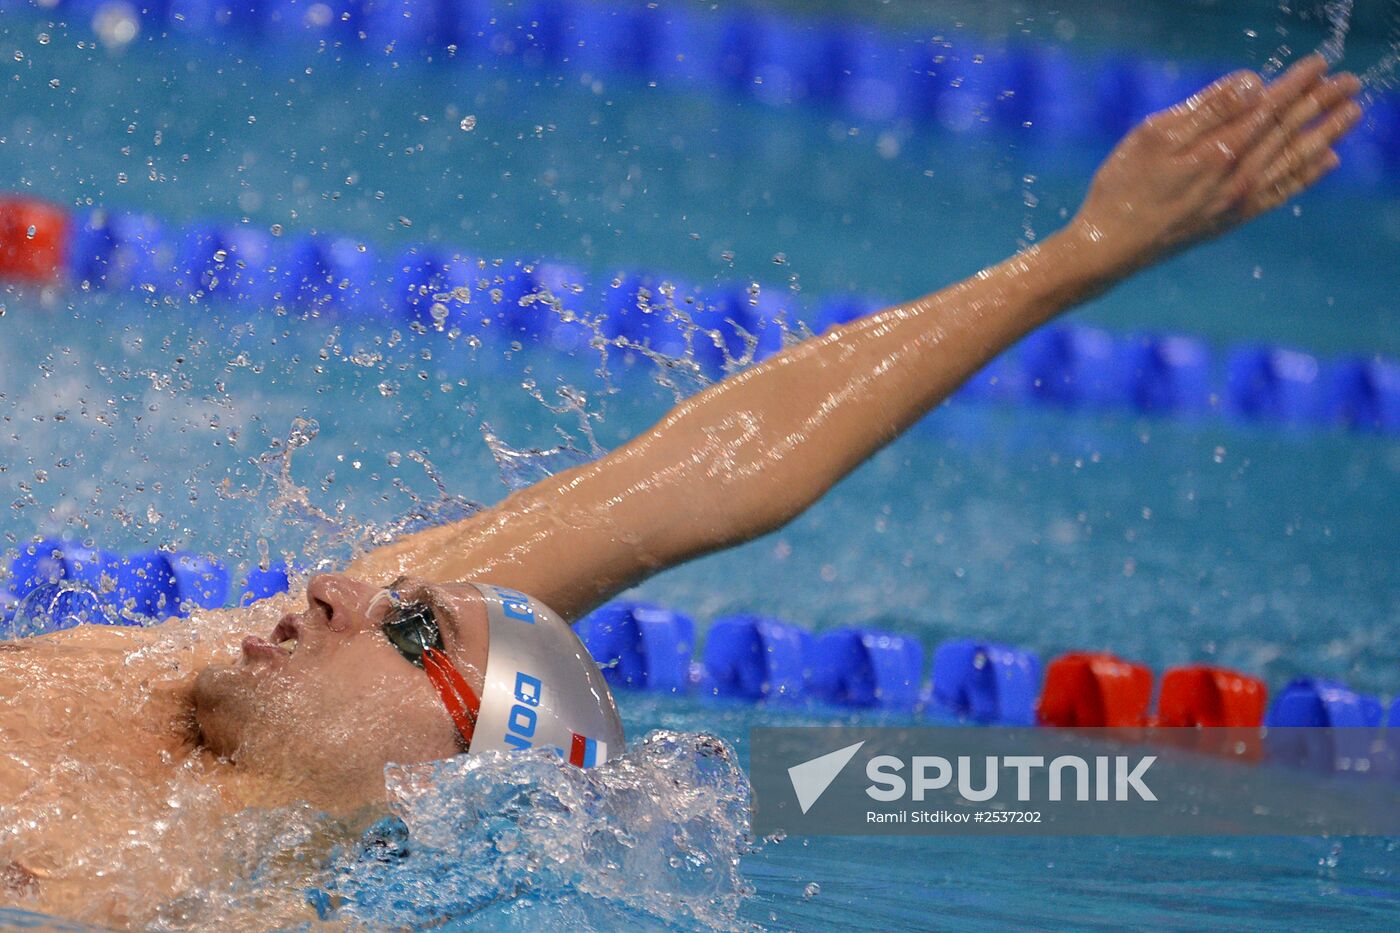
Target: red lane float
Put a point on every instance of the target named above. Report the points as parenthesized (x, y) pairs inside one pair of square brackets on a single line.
[(1200, 695), (33, 236), (1095, 689)]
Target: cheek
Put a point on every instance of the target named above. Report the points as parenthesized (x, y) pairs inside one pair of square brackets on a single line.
[(367, 711)]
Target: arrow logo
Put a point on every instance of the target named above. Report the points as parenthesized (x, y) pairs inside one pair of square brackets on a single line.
[(811, 778)]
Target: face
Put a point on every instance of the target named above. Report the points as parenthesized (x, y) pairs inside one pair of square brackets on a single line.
[(322, 703)]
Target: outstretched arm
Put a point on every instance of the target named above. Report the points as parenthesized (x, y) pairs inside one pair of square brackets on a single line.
[(752, 452)]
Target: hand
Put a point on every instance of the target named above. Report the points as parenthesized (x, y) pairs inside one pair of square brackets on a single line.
[(1207, 165)]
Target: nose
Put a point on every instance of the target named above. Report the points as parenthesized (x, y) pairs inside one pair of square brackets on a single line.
[(340, 603)]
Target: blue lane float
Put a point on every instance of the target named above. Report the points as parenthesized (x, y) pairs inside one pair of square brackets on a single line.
[(646, 646), (1076, 365), (986, 682), (1364, 393), (755, 658), (115, 250), (564, 308), (149, 585), (175, 584), (1324, 703), (1326, 726), (867, 668), (1274, 384), (50, 560), (54, 607), (265, 582), (960, 84), (1171, 374)]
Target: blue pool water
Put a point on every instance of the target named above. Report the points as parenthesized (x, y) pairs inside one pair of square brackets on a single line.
[(140, 422)]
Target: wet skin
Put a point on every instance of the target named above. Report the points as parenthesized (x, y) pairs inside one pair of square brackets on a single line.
[(238, 716), (326, 701)]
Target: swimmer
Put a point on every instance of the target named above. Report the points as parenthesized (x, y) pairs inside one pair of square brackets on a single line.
[(415, 651)]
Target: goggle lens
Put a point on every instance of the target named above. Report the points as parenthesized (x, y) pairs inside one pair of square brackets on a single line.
[(413, 630)]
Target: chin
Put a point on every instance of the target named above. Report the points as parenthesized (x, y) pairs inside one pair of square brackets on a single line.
[(220, 693)]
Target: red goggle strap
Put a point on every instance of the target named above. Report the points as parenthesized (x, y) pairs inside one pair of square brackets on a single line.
[(457, 695)]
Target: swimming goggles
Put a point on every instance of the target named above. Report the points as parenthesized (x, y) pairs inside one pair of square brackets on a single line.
[(413, 630)]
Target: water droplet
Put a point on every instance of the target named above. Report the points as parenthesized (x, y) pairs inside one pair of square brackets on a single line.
[(304, 430), (31, 232), (468, 123), (116, 24), (811, 891)]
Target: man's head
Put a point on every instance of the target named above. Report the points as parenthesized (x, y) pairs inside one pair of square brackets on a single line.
[(414, 672), (325, 701)]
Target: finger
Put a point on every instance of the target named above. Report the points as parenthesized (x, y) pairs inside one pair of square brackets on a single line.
[(1227, 99), (1251, 121), (1288, 87), (1259, 141), (1302, 153), (1320, 100), (1286, 185), (1335, 124)]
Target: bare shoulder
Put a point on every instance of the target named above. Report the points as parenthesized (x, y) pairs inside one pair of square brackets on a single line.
[(201, 638), (87, 638)]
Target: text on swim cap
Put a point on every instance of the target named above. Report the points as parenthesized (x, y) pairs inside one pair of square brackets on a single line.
[(520, 725), (515, 605)]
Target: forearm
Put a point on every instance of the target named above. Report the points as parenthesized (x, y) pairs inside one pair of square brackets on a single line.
[(780, 434)]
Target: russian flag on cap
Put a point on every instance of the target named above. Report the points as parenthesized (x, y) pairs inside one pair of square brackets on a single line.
[(585, 752)]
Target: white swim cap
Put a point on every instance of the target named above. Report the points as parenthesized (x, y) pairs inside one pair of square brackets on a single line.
[(542, 687)]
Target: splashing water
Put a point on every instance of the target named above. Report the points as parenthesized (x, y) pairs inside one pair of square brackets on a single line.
[(1381, 77), (1376, 79), (654, 839), (1337, 14)]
